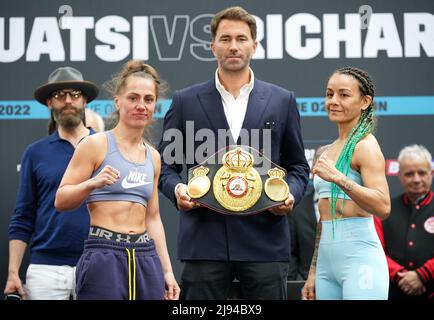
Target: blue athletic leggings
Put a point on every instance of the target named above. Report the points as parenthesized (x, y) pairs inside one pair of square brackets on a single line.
[(352, 264), (110, 270)]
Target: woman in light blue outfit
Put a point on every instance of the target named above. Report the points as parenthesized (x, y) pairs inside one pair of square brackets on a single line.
[(349, 261)]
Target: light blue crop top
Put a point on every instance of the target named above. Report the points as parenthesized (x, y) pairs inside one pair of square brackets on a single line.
[(136, 181), (323, 188)]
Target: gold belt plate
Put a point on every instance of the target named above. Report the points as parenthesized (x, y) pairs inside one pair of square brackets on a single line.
[(237, 186)]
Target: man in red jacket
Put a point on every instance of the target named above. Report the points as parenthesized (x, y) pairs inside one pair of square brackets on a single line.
[(408, 234)]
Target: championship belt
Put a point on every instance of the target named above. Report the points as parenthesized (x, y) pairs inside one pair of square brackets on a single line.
[(243, 182)]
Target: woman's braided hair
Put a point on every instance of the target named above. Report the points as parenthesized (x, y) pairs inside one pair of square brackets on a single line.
[(365, 125)]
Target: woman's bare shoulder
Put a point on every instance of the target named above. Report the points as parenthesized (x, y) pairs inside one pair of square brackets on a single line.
[(94, 139), (154, 154), (320, 150), (93, 146), (368, 149), (368, 143)]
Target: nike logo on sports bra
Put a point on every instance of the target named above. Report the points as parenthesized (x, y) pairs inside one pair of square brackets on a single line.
[(136, 179), (129, 185)]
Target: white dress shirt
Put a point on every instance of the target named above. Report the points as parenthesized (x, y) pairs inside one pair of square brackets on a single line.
[(235, 108)]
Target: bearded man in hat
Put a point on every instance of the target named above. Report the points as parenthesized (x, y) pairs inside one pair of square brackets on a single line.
[(56, 238)]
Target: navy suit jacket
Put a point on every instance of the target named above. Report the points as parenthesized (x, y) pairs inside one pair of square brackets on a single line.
[(208, 235)]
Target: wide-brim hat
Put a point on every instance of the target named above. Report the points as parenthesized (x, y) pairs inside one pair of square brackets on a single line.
[(66, 78)]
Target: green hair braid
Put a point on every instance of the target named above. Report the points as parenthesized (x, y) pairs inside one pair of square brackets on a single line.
[(364, 126)]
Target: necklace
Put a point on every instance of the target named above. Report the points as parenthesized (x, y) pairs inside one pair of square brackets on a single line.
[(128, 154), (130, 158)]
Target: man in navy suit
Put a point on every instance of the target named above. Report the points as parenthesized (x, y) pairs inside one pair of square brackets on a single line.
[(216, 248)]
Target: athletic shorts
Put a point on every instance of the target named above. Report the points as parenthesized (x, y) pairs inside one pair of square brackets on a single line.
[(351, 261)]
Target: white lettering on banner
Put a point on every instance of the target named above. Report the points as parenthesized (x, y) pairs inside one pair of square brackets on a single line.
[(274, 36), (293, 28), (260, 51), (414, 37), (141, 38), (178, 33), (382, 23), (301, 36), (117, 45), (350, 35), (392, 167), (45, 39), (77, 27), (200, 30), (16, 40)]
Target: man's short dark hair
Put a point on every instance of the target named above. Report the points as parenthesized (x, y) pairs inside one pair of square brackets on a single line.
[(236, 14)]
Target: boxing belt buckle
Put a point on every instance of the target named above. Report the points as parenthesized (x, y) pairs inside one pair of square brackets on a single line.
[(237, 186)]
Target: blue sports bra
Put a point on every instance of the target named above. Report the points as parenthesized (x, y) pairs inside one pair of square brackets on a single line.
[(323, 188), (136, 180)]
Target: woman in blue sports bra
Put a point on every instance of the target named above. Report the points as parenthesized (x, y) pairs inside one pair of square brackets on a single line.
[(116, 173), (349, 261)]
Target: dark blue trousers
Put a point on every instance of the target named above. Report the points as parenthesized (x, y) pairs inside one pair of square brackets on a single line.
[(110, 270)]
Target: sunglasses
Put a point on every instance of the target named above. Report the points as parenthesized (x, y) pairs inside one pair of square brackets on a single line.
[(61, 95)]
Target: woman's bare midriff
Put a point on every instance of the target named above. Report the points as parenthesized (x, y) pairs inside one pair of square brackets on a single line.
[(119, 216), (351, 210)]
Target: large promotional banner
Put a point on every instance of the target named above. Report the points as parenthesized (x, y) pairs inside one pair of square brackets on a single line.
[(301, 42)]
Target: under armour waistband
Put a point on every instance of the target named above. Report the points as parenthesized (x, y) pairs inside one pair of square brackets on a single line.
[(99, 232)]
